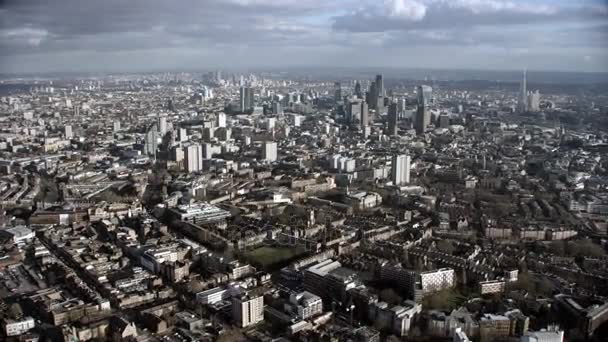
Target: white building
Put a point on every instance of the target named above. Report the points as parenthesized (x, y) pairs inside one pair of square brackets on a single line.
[(18, 327), (221, 120), (543, 336), (460, 336), (401, 169), (306, 304), (193, 158), (162, 125), (247, 310), (437, 280), (269, 151), (68, 132), (20, 234)]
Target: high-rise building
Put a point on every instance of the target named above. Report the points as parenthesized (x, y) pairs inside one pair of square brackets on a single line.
[(400, 169), (277, 108), (68, 132), (247, 309), (523, 95), (372, 96), (247, 99), (192, 153), (358, 90), (151, 141), (182, 135), (444, 120), (162, 125), (423, 115), (380, 92), (364, 114), (221, 120), (177, 154), (392, 119), (116, 126), (534, 101), (354, 111), (269, 151), (337, 92)]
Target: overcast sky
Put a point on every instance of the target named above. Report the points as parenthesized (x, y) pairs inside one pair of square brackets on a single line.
[(150, 35)]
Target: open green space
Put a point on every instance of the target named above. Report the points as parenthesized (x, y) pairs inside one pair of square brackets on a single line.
[(268, 256)]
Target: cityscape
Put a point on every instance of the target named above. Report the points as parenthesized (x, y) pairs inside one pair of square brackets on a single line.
[(300, 201)]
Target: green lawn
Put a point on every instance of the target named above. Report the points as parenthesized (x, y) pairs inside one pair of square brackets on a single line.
[(267, 256)]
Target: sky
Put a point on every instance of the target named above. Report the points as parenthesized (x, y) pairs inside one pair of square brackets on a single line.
[(157, 35)]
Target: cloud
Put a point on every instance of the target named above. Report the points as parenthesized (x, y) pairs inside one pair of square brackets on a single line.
[(434, 14), (405, 9), (39, 34)]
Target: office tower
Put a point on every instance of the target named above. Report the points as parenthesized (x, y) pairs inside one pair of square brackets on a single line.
[(191, 158), (116, 126), (221, 120), (151, 141), (523, 95), (379, 86), (247, 99), (68, 132), (400, 169), (337, 92), (423, 115), (444, 121), (372, 96), (354, 111), (248, 309), (392, 119), (242, 99), (277, 108), (223, 133), (269, 151), (182, 135), (177, 154), (364, 114), (358, 90), (162, 125), (534, 101)]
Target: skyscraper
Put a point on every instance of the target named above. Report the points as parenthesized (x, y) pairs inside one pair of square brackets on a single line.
[(534, 101), (221, 120), (358, 90), (523, 95), (269, 151), (162, 125), (364, 114), (192, 153), (68, 132), (337, 92), (372, 95), (423, 115), (246, 99), (354, 111), (392, 119), (151, 141), (400, 169), (379, 86)]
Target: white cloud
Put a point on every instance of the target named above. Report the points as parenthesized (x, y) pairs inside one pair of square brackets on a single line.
[(24, 35), (405, 9)]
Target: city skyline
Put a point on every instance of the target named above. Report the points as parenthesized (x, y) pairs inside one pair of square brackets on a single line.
[(114, 36)]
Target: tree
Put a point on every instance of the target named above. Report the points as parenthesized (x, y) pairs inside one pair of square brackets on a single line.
[(558, 248), (390, 296), (446, 246)]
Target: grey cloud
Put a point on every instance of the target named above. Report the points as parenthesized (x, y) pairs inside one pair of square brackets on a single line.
[(446, 15)]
